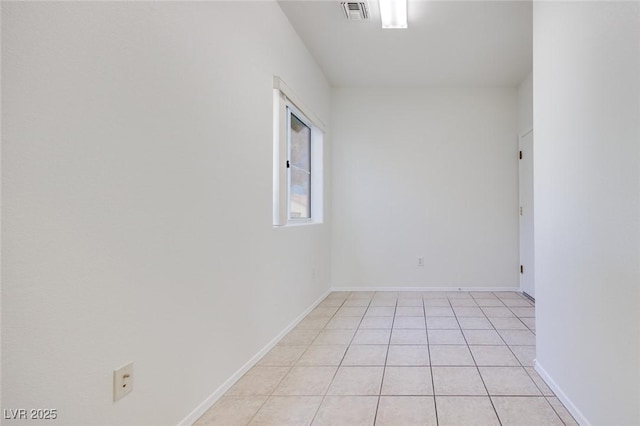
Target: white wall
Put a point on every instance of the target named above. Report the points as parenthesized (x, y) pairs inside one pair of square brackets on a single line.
[(425, 172), (587, 190), (525, 104), (137, 166)]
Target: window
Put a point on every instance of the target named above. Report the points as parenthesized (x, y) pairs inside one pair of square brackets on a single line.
[(297, 161), (299, 167)]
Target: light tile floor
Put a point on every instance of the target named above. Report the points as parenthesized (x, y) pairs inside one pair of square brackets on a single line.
[(400, 358)]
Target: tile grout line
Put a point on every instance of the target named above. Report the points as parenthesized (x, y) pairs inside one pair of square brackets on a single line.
[(291, 368), (384, 368), (324, 397), (370, 299), (433, 386), (518, 359), (556, 411), (476, 363)]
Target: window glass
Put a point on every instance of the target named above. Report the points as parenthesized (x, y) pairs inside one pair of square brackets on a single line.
[(299, 169)]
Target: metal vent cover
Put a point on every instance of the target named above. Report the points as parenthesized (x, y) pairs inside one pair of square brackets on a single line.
[(355, 11)]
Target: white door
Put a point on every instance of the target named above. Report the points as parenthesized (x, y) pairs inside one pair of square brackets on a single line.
[(527, 278)]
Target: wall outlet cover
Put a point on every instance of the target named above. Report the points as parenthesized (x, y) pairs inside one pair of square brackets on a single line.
[(122, 381)]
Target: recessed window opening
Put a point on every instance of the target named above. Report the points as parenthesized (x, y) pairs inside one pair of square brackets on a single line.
[(297, 161)]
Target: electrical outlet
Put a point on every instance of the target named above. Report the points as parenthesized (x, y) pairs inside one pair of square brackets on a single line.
[(122, 381), (421, 261)]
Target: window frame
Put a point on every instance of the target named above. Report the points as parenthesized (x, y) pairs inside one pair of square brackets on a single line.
[(292, 110), (286, 102)]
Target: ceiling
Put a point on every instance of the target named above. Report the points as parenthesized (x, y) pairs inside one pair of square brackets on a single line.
[(448, 43)]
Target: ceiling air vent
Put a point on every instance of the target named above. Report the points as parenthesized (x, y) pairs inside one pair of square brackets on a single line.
[(355, 11)]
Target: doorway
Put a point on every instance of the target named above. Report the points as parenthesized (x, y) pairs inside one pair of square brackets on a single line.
[(525, 173)]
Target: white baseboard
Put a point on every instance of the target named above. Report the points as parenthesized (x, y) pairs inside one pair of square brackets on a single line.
[(580, 418), (451, 288), (208, 403)]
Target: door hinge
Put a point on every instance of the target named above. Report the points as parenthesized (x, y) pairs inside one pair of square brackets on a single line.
[(520, 210), (521, 269), (520, 155), (288, 165)]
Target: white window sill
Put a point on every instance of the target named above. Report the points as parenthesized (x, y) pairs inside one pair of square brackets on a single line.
[(296, 225)]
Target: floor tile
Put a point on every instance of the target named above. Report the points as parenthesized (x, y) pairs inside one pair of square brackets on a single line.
[(380, 311), (407, 381), (347, 411), (326, 303), (474, 323), (562, 412), (460, 381), (525, 354), (529, 322), (357, 381), (518, 337), (372, 337), (383, 302), (351, 311), (482, 337), (357, 302), (342, 349), (400, 336), (508, 324), (497, 356), (319, 355), (451, 355), (409, 311), (507, 295), (508, 381), (258, 381), (434, 294), (287, 410), (466, 411), (464, 311), (463, 302), (486, 303), (442, 323), (539, 382), (438, 311), (498, 312), (299, 337), (525, 411), (415, 301), (524, 312), (458, 294), (334, 337), (306, 381), (409, 322), (323, 312), (338, 295), (406, 411), (346, 323), (316, 323), (365, 355), (282, 356), (410, 294), (482, 295), (408, 355), (362, 294), (232, 411), (513, 303), (436, 303), (446, 337), (376, 322)]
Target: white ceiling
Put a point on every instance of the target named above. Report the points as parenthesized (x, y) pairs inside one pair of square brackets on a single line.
[(447, 44)]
